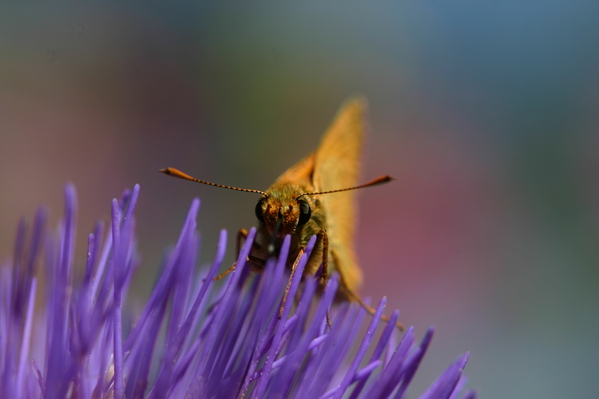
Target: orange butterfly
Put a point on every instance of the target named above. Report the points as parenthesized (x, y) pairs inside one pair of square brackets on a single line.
[(296, 205)]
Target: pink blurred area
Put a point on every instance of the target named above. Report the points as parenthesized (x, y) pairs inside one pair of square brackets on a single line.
[(438, 219), (486, 118)]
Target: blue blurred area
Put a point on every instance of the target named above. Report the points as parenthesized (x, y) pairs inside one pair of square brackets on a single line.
[(485, 112)]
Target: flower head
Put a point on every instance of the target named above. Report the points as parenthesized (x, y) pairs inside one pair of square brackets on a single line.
[(192, 339)]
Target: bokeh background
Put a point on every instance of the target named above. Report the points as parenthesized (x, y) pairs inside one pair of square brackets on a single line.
[(485, 112)]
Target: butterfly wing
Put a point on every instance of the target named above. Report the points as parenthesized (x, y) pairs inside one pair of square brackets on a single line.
[(336, 165), (300, 173)]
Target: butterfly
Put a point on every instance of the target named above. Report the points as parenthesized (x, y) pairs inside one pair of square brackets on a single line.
[(316, 196)]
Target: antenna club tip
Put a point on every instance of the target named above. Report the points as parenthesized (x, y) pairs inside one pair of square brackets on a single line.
[(383, 180), (168, 171)]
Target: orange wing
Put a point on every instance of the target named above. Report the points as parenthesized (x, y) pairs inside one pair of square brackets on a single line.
[(300, 173), (336, 165)]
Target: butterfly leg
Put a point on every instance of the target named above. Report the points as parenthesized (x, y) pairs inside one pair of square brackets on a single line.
[(242, 235), (300, 252), (256, 263), (324, 275)]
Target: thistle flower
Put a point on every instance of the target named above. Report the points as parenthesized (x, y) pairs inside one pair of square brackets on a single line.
[(192, 339)]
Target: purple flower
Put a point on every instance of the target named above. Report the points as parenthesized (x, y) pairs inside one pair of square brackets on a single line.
[(192, 339)]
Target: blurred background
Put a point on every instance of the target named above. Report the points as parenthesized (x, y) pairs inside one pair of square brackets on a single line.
[(485, 112)]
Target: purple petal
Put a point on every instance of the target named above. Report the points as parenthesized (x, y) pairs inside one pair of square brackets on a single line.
[(191, 338), (444, 386)]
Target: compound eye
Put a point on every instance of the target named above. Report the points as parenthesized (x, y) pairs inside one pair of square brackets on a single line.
[(305, 212), (259, 210)]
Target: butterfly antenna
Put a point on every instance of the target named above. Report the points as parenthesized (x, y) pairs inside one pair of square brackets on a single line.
[(177, 173), (378, 181)]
